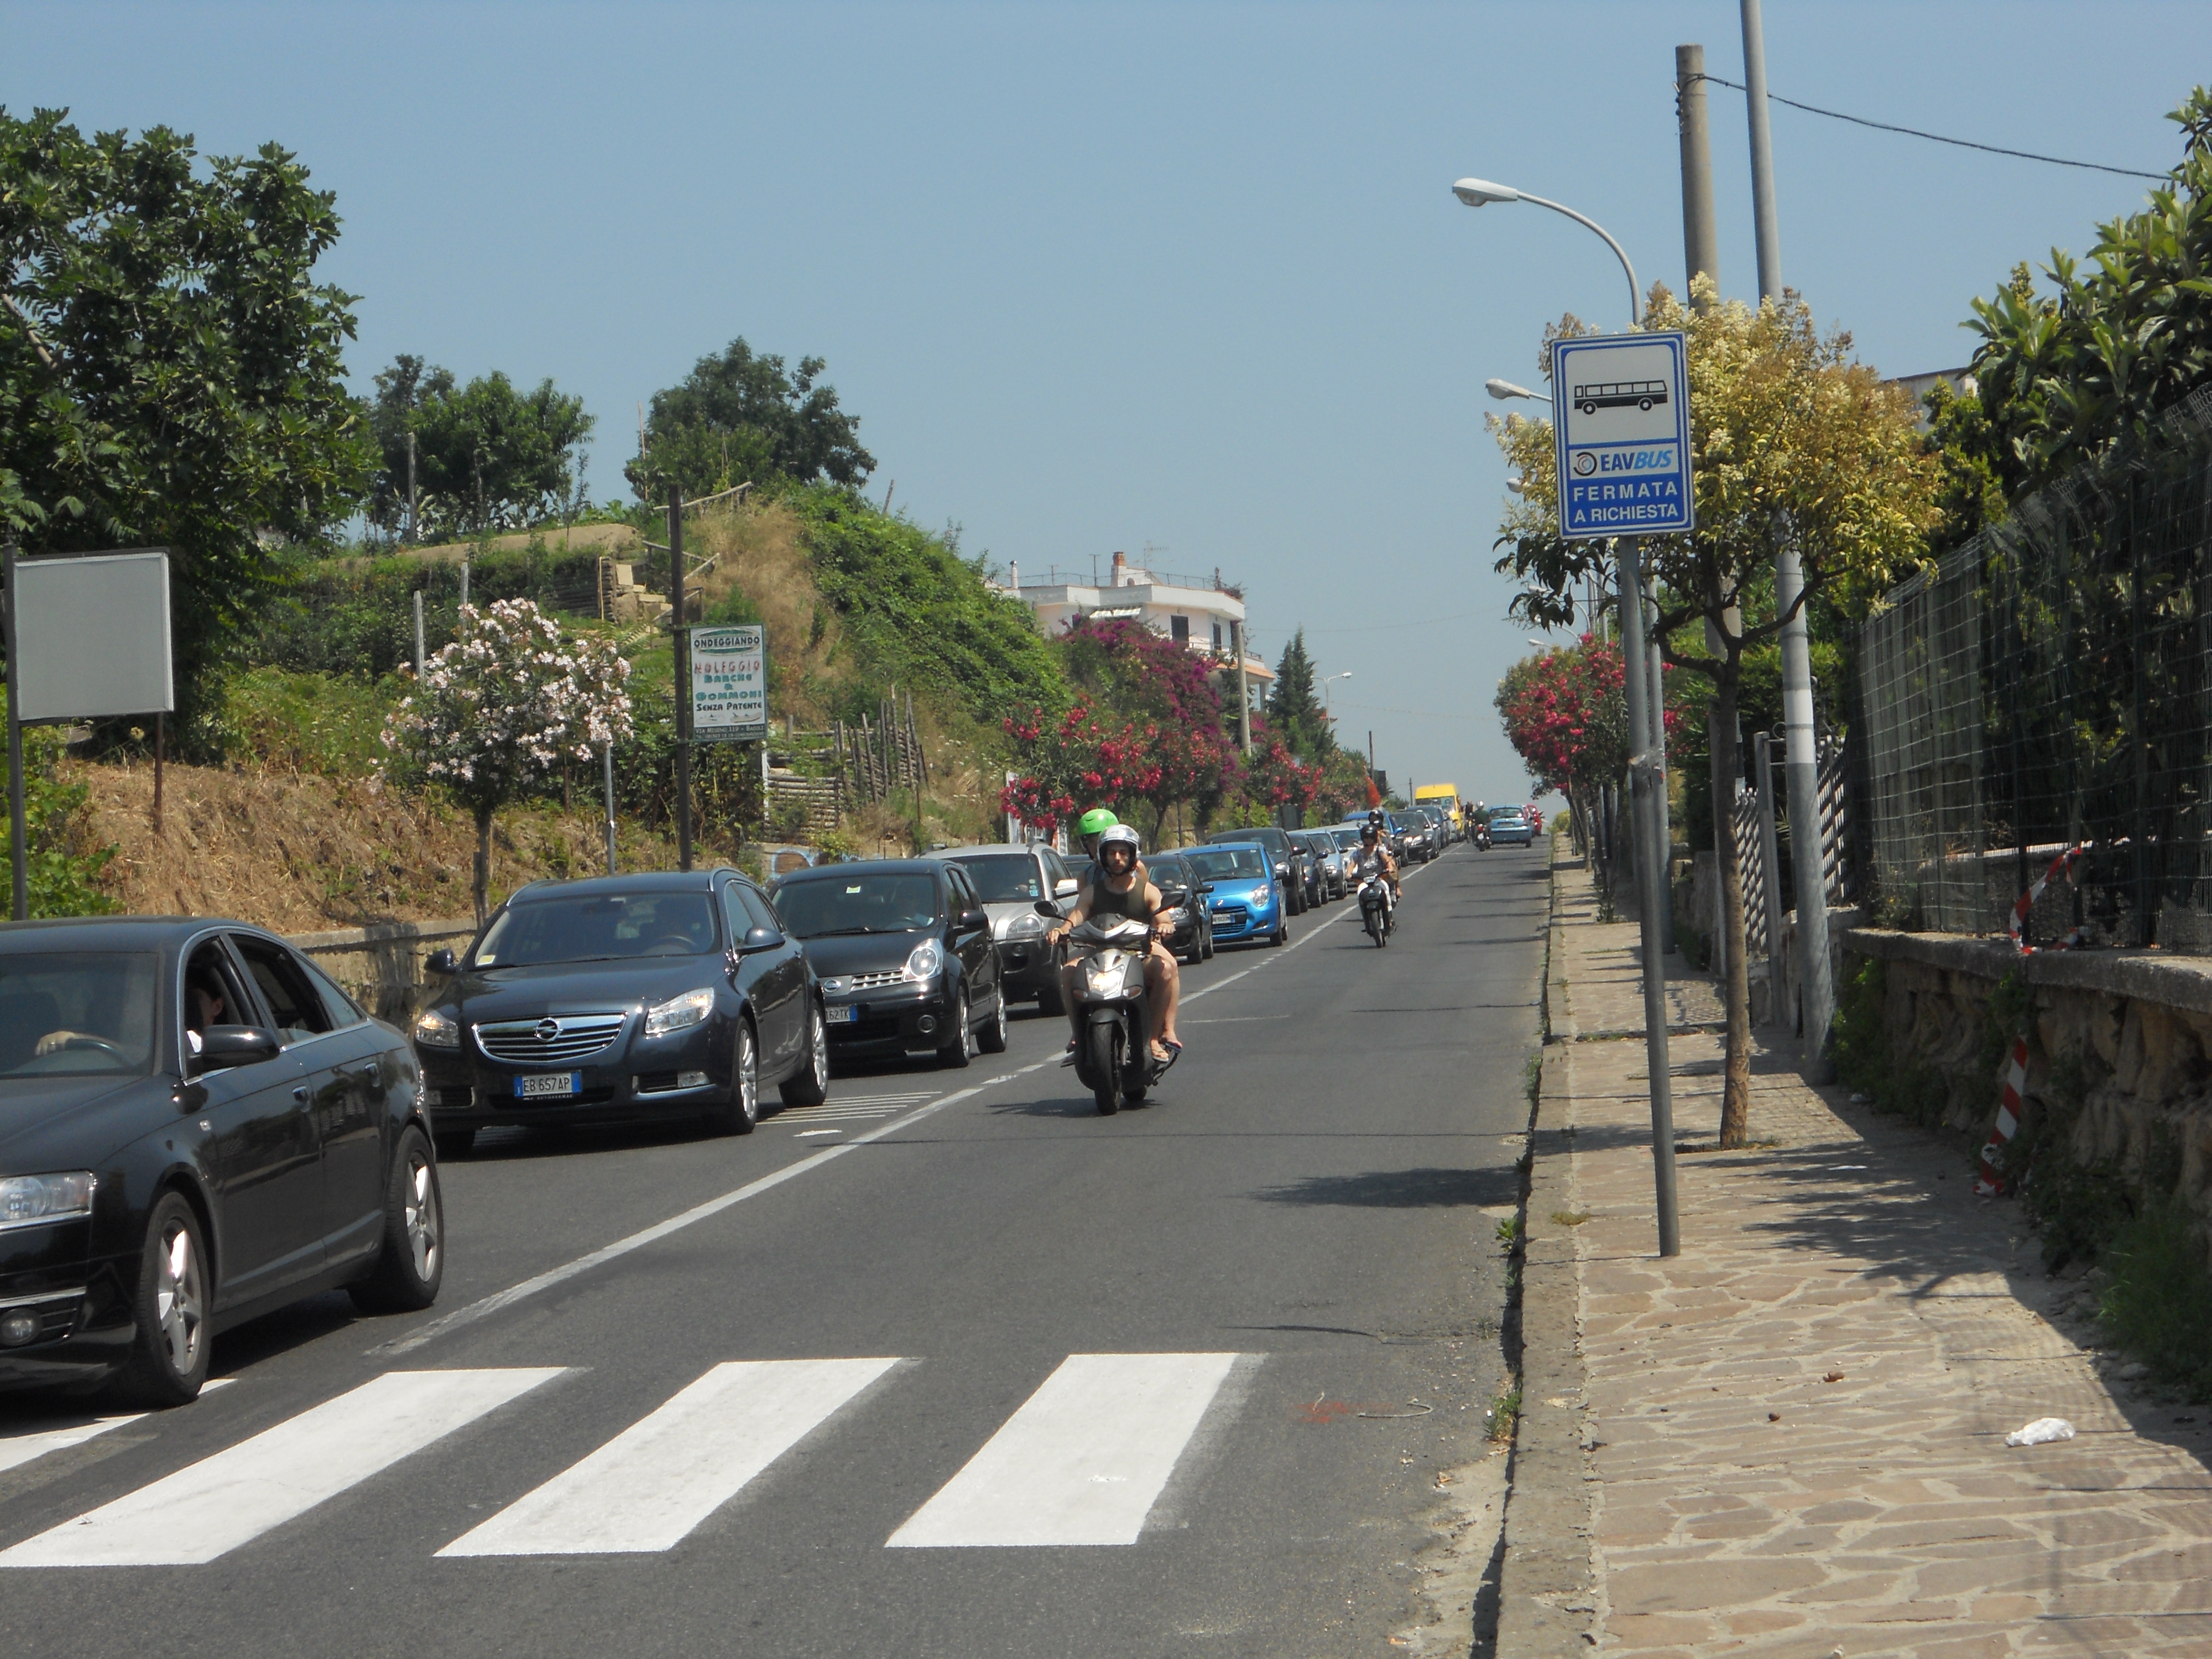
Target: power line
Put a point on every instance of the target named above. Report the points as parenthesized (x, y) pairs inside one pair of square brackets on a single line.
[(1937, 137)]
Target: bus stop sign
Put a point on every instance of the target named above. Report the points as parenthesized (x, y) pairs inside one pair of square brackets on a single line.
[(1620, 424)]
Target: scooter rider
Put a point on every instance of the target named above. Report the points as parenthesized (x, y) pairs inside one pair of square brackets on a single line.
[(1119, 887), (1373, 855)]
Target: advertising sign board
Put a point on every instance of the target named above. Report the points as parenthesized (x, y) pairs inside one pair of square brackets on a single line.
[(729, 685), (92, 632), (1620, 420)]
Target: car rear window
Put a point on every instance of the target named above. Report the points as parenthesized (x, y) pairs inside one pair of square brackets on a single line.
[(1003, 877), (612, 927), (884, 901), (1214, 863), (79, 1013)]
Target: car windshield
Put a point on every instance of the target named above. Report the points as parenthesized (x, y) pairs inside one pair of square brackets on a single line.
[(77, 1013), (1004, 878), (609, 927), (1217, 863), (1346, 838), (887, 901)]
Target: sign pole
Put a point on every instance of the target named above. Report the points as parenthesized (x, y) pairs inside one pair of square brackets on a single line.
[(681, 636), (607, 774), (18, 854)]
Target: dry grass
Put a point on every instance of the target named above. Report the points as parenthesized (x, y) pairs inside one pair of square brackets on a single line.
[(302, 853)]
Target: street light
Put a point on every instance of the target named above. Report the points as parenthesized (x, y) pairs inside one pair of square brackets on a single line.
[(1479, 192), (1505, 391), (1325, 685)]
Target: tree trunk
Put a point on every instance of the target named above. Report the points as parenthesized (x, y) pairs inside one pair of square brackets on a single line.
[(480, 886), (1727, 767)]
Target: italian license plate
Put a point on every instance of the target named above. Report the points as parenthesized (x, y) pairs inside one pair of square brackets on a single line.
[(841, 1013), (548, 1084)]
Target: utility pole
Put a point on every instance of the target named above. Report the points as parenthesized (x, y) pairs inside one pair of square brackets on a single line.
[(410, 488), (1648, 783), (607, 776), (1816, 992), (418, 636), (19, 870), (681, 637), (1243, 685), (1762, 154), (1701, 253)]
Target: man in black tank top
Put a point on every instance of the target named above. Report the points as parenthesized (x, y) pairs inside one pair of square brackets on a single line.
[(1119, 886)]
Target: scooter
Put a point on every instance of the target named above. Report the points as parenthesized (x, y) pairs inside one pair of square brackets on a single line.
[(1114, 1057), (1374, 908), (1480, 836)]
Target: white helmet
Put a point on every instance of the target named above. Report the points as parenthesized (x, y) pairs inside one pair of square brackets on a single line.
[(1119, 835)]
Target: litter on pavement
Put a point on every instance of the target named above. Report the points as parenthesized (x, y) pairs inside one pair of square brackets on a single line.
[(2040, 1432)]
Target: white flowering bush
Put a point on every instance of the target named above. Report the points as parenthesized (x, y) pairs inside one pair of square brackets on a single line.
[(500, 709)]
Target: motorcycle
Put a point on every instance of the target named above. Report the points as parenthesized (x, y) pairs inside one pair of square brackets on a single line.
[(1114, 1058), (1480, 836), (1374, 908)]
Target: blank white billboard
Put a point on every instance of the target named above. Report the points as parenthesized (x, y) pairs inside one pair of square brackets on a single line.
[(92, 636)]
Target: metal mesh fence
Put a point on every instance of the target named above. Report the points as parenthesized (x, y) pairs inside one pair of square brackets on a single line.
[(2049, 685)]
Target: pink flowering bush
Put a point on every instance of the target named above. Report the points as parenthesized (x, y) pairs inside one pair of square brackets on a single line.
[(502, 707)]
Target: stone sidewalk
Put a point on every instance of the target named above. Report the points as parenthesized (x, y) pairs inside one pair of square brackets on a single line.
[(1790, 1439)]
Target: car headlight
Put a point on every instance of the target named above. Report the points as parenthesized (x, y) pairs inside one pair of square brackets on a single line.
[(927, 958), (434, 1030), (34, 1200), (1260, 894), (1030, 926), (679, 1013), (1178, 916)]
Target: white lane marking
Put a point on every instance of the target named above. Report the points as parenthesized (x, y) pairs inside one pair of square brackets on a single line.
[(675, 1224), (810, 1134), (1082, 1461), (18, 1449), (645, 1489), (221, 1502)]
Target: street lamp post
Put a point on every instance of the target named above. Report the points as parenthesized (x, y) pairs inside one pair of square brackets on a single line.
[(1480, 192), (1325, 684)]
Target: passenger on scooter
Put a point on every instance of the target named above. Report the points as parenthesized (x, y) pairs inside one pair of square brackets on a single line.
[(1119, 888), (1372, 856)]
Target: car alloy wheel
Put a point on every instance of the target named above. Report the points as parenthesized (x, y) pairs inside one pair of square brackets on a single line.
[(810, 1087), (412, 1262), (742, 1111), (991, 1039), (954, 1054), (169, 1355)]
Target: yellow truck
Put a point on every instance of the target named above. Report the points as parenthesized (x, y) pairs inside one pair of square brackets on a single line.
[(1445, 795)]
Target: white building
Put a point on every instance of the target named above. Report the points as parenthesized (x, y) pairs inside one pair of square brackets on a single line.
[(1192, 611)]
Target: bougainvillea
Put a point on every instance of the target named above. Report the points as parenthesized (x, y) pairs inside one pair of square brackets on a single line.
[(500, 709)]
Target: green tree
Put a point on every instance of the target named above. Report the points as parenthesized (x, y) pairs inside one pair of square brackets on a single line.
[(1293, 712), (2129, 330), (170, 372), (742, 418), (1793, 444), (1970, 464), (488, 456)]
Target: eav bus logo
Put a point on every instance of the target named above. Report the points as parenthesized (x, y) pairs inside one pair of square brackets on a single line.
[(1622, 431)]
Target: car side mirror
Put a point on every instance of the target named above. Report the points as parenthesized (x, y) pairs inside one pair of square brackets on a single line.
[(1172, 896), (1047, 908), (441, 962), (759, 938), (222, 1047), (1066, 888), (971, 920), (1205, 887)]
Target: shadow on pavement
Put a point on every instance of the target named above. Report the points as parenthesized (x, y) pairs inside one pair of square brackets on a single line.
[(1402, 1190)]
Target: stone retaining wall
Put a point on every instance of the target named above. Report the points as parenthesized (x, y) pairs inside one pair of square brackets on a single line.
[(2134, 1027), (381, 966)]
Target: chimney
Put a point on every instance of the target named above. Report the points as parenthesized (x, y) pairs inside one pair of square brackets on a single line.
[(1121, 568)]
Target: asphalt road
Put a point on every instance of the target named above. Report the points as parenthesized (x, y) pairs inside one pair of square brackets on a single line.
[(950, 1366)]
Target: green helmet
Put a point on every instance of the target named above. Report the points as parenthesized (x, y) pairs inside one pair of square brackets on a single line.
[(1096, 822)]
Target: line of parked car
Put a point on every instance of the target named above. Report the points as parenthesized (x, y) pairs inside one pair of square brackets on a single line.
[(197, 1126)]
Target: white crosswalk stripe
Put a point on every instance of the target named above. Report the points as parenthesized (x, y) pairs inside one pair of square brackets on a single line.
[(1083, 1459), (650, 1485), (213, 1506), (17, 1449)]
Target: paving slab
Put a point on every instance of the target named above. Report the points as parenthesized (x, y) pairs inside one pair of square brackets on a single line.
[(1791, 1436)]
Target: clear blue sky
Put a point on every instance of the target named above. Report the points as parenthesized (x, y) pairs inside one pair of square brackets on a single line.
[(1105, 275)]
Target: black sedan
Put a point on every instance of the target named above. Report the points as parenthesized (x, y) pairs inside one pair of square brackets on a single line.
[(620, 1000), (1185, 890), (904, 950), (196, 1127)]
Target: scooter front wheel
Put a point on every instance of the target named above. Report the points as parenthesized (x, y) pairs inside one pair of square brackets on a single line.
[(1105, 1042)]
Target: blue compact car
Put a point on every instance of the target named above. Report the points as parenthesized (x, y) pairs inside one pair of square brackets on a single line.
[(1248, 902)]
